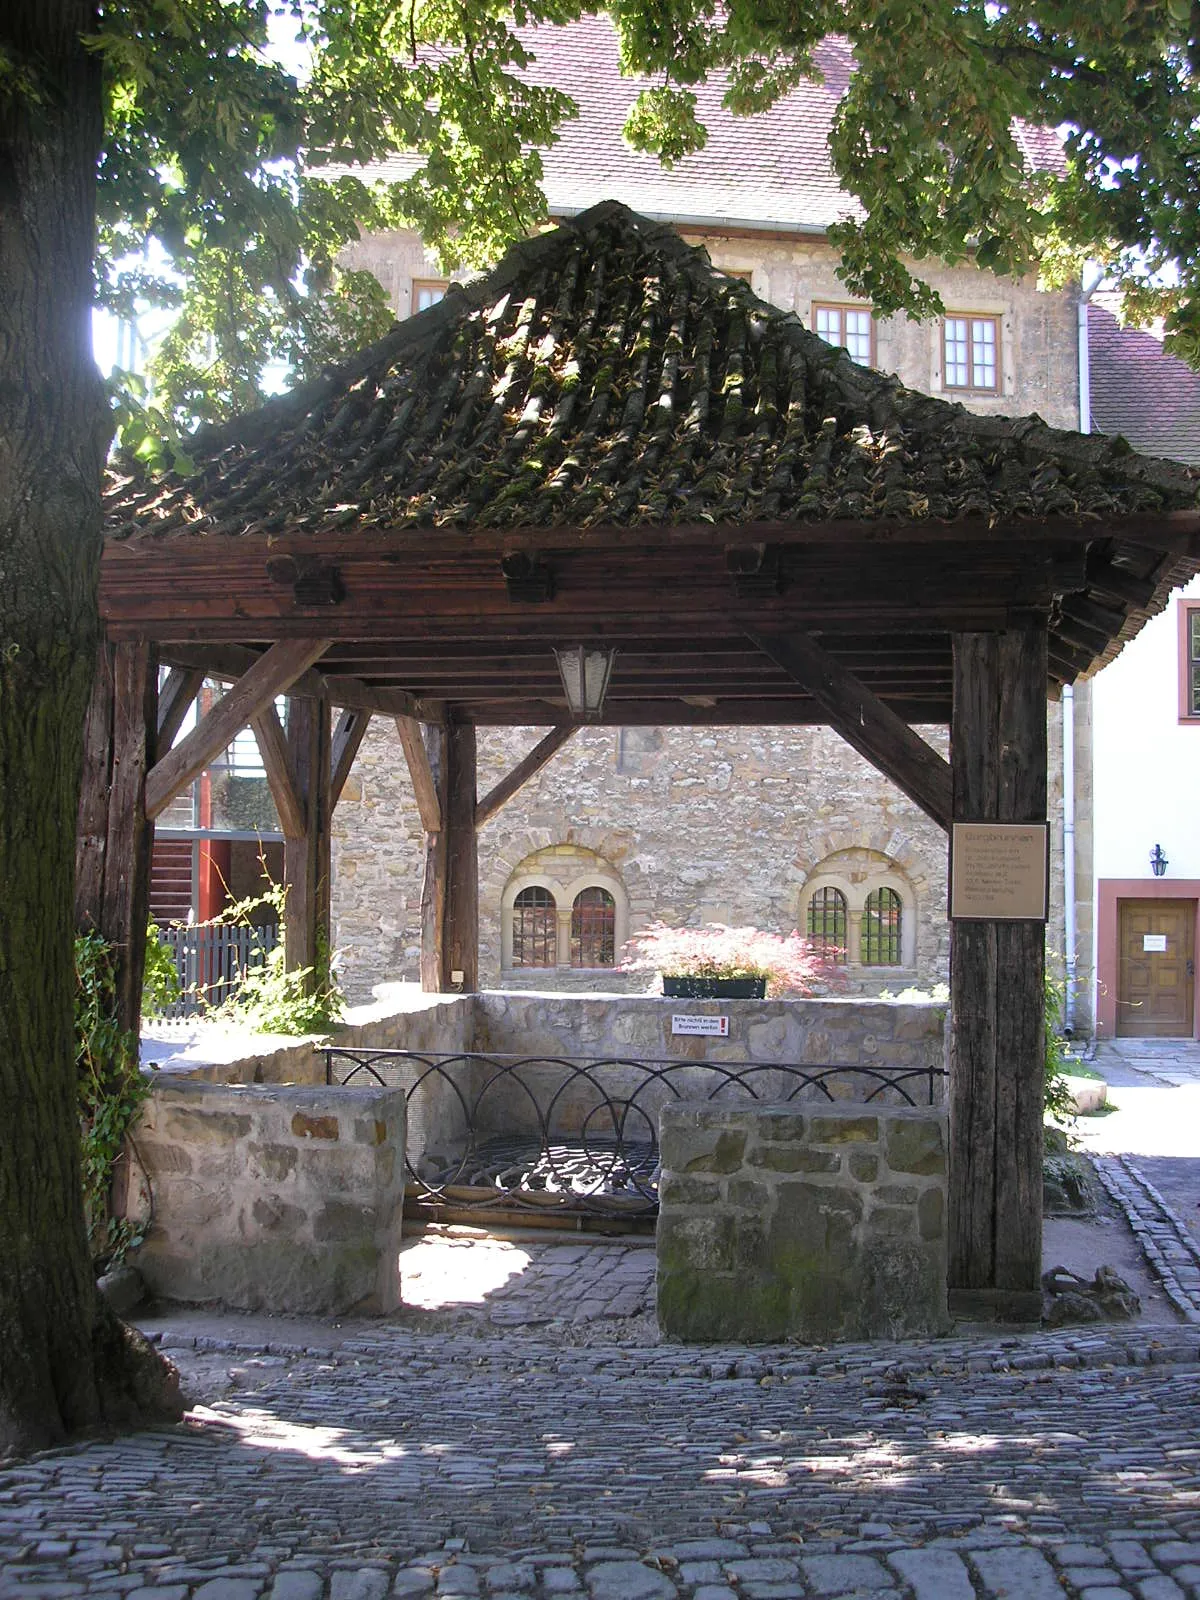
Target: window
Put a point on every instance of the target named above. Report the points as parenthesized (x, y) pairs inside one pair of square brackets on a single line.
[(1189, 661), (594, 929), (970, 353), (852, 327), (827, 922), (427, 292), (879, 940), (535, 929)]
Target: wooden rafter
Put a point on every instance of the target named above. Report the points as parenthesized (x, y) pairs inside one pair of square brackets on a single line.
[(349, 734), (273, 748), (273, 672), (865, 722), (520, 775), (425, 787), (174, 698)]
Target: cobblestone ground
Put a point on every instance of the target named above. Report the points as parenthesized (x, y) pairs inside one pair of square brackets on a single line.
[(1030, 1467)]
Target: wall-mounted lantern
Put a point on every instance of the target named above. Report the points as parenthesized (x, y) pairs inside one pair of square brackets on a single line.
[(1158, 861)]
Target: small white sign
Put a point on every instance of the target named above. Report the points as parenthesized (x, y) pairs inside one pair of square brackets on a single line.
[(1155, 941), (712, 1027)]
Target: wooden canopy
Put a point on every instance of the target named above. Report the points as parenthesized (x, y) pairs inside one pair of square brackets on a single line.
[(606, 442)]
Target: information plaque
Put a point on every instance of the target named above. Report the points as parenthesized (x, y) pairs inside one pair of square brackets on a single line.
[(1000, 871)]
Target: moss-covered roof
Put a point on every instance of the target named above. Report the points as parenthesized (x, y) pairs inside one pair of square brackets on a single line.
[(606, 374)]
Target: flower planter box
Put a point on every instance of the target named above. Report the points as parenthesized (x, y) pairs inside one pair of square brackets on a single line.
[(682, 987)]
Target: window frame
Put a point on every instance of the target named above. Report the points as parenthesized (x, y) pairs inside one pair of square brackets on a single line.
[(841, 307), (822, 941), (548, 939), (893, 939), (1189, 660), (580, 915), (427, 283), (971, 386)]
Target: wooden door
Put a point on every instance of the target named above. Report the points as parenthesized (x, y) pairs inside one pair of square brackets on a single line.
[(1156, 980)]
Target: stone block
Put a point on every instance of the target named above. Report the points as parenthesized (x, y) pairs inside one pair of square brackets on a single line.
[(864, 1166), (794, 1158), (931, 1214), (917, 1143), (681, 1189), (307, 1126), (844, 1129)]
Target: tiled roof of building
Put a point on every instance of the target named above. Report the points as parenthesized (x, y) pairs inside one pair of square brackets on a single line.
[(769, 172), (1139, 392), (606, 374)]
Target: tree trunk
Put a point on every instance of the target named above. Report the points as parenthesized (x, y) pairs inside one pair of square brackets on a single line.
[(65, 1363)]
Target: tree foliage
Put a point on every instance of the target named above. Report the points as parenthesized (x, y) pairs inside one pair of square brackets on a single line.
[(232, 201)]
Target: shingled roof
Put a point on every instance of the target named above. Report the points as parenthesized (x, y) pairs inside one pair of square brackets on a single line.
[(606, 374), (1150, 398)]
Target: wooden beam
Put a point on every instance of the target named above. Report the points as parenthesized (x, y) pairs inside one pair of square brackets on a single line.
[(349, 734), (232, 661), (865, 722), (91, 836), (273, 672), (997, 971), (306, 859), (1118, 584), (425, 788), (460, 939), (273, 748), (520, 775), (433, 882), (174, 700)]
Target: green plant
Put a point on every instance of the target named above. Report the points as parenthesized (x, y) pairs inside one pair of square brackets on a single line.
[(1060, 1106), (270, 996), (111, 1091), (160, 982)]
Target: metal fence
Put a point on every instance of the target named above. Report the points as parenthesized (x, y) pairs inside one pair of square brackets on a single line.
[(540, 1136), (211, 961)]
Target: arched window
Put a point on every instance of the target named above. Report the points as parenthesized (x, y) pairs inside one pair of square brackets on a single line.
[(879, 937), (594, 929), (827, 922), (535, 929)]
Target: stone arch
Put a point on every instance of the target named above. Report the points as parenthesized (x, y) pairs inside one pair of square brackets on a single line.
[(565, 870)]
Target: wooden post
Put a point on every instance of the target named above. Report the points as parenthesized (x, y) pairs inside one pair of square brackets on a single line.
[(460, 934), (433, 884), (115, 840), (306, 857), (997, 999)]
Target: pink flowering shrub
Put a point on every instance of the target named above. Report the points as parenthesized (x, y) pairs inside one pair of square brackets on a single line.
[(790, 966)]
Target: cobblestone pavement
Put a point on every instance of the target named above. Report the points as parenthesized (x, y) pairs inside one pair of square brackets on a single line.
[(1030, 1467)]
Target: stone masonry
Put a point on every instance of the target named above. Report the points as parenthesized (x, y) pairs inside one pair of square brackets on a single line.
[(275, 1197), (816, 1225)]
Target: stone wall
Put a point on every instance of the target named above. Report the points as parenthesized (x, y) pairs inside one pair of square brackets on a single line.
[(274, 1198), (777, 1223)]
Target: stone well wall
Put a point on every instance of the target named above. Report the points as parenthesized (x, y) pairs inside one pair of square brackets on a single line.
[(778, 1223), (272, 1197)]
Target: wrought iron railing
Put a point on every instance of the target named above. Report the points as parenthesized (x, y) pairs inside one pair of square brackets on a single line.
[(539, 1134)]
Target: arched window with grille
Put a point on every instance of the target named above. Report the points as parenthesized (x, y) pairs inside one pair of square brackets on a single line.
[(827, 922), (535, 929), (879, 936), (594, 929)]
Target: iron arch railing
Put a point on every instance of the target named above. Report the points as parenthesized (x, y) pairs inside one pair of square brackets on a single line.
[(555, 1133)]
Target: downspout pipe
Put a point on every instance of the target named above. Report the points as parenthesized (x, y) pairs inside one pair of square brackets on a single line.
[(1070, 928)]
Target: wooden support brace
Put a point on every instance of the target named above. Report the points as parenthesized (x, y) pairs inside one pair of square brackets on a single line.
[(174, 700), (866, 723), (273, 748), (306, 857), (433, 883), (425, 787), (271, 674), (520, 775), (460, 940), (349, 734)]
